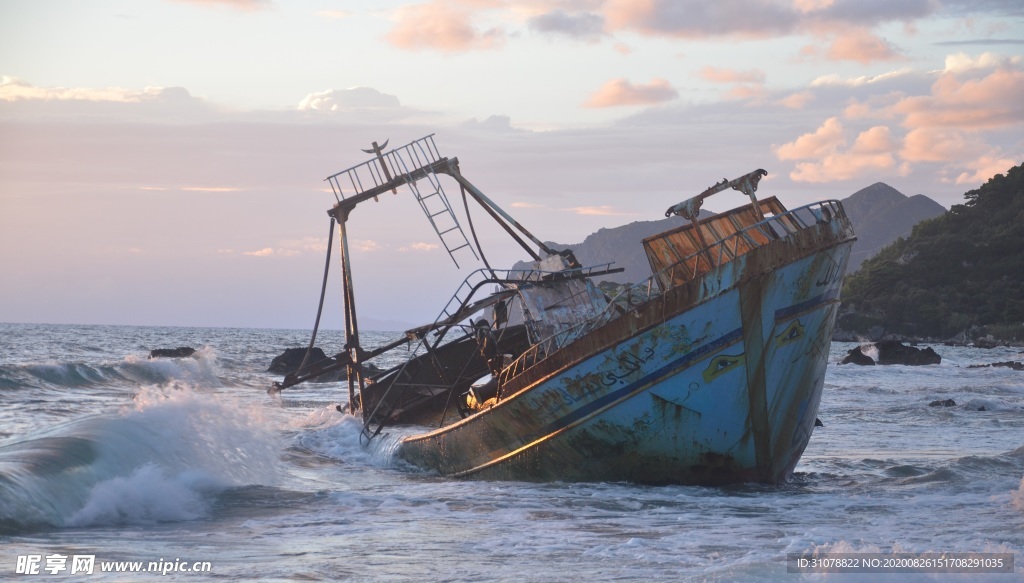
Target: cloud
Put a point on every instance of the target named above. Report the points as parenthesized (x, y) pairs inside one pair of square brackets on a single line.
[(700, 19), (797, 100), (830, 160), (527, 205), (861, 46), (24, 101), (963, 63), (823, 141), (938, 145), (314, 245), (440, 26), (835, 80), (984, 168), (603, 210), (721, 75), (292, 248), (420, 246), (366, 245), (989, 100), (621, 92), (982, 42), (494, 123), (15, 89), (205, 189), (354, 98), (586, 26), (246, 5), (266, 252)]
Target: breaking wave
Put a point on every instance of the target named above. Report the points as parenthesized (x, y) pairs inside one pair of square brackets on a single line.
[(162, 459), (199, 369)]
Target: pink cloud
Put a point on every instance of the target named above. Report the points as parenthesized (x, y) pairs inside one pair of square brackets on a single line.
[(829, 160), (699, 18), (937, 145), (753, 93), (366, 245), (992, 101), (440, 26), (603, 210), (720, 75), (984, 168), (824, 140), (266, 252), (621, 92), (861, 46), (797, 100), (419, 246)]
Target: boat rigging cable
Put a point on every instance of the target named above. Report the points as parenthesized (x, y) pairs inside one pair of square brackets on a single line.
[(323, 292), (472, 231)]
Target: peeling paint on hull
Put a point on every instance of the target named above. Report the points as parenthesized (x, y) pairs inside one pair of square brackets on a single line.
[(716, 381)]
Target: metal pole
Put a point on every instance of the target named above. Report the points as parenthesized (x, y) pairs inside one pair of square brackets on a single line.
[(355, 374)]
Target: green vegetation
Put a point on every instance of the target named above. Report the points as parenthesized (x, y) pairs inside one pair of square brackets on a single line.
[(961, 271)]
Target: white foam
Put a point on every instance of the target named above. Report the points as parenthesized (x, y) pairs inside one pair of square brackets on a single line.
[(159, 459), (147, 495), (1017, 497), (200, 369)]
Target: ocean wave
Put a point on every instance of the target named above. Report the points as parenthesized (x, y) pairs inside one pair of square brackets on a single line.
[(200, 369), (161, 459), (335, 435), (72, 374)]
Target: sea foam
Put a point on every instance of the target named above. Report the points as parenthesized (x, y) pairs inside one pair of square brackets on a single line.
[(161, 458)]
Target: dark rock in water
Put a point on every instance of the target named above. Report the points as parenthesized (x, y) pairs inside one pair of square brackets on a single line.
[(855, 356), (291, 358), (289, 361), (982, 408), (943, 403), (895, 352), (985, 342), (818, 423), (1013, 364), (180, 352)]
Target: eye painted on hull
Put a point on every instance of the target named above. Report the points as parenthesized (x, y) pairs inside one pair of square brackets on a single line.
[(720, 365), (792, 333)]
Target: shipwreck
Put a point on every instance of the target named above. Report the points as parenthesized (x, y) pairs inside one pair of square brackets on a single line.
[(708, 372)]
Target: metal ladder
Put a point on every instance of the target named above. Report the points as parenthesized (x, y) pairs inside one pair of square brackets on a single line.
[(404, 161)]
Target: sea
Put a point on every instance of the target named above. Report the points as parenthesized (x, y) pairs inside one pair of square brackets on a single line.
[(186, 469)]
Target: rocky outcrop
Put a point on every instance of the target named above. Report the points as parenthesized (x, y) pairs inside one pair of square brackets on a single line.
[(895, 352), (180, 352), (892, 352), (1012, 364), (855, 356), (289, 361), (943, 403)]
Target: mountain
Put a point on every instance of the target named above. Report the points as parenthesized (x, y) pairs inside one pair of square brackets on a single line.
[(881, 214), (954, 274)]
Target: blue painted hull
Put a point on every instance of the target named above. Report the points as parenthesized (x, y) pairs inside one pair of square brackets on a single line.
[(713, 382)]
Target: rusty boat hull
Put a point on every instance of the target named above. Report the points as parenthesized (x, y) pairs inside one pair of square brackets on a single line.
[(717, 380), (708, 372)]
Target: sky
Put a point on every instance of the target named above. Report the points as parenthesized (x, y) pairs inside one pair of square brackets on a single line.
[(162, 162)]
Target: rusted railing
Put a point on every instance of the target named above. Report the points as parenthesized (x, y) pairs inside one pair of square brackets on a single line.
[(713, 256), (376, 172)]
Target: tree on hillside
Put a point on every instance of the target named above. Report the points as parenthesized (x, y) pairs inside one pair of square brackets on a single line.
[(962, 269)]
